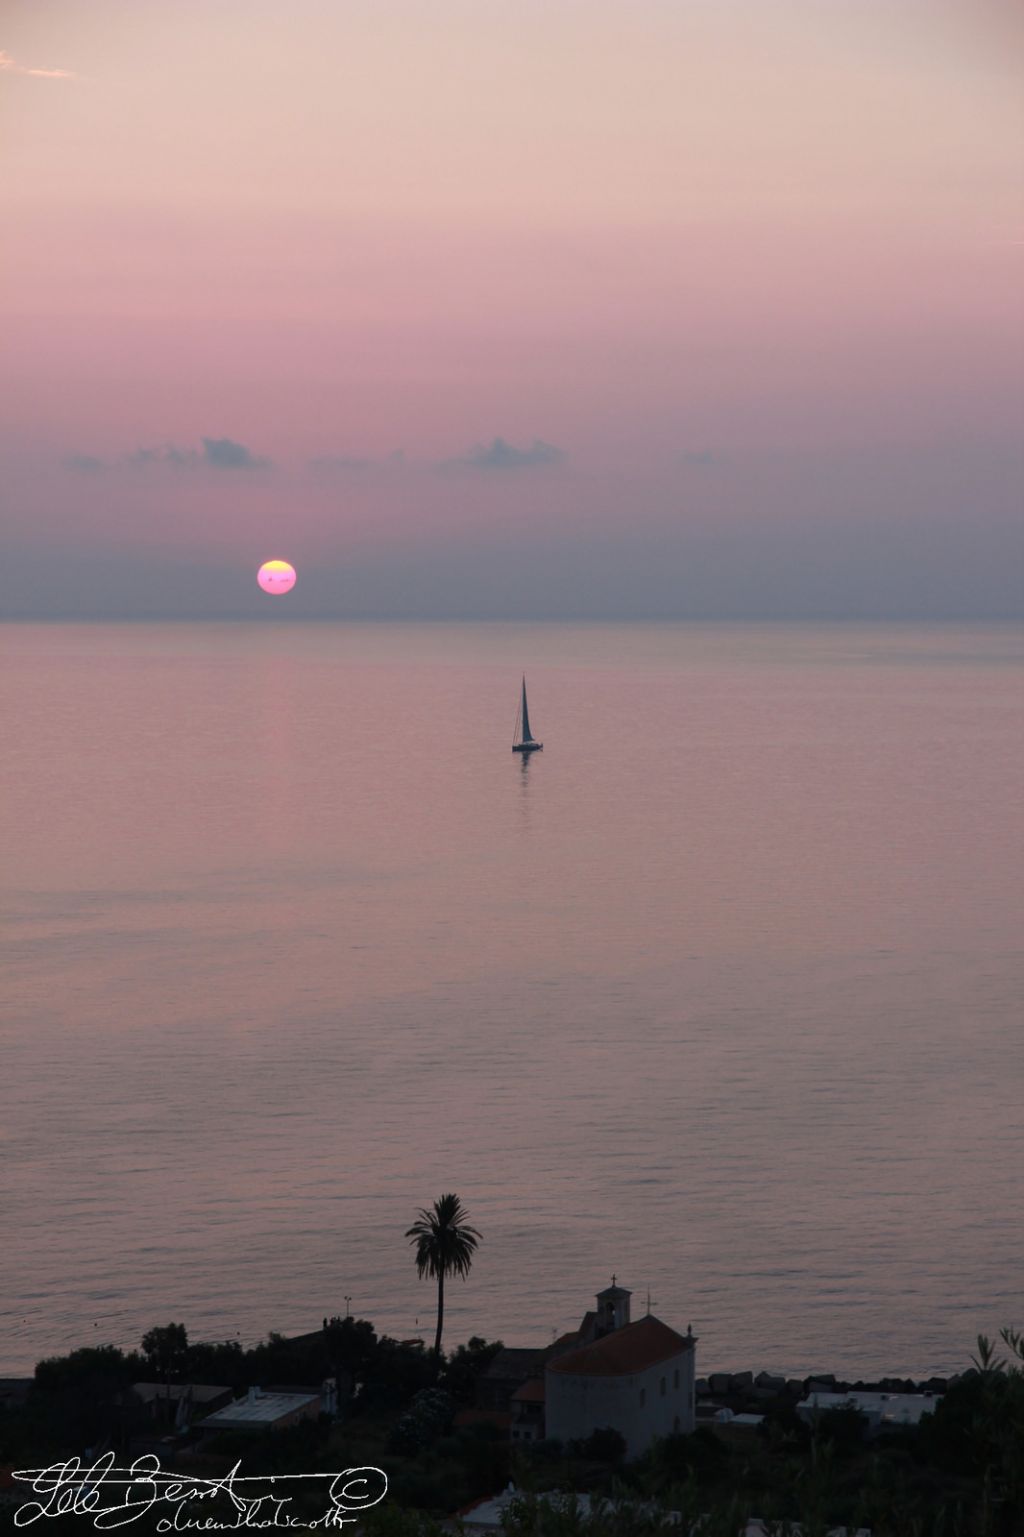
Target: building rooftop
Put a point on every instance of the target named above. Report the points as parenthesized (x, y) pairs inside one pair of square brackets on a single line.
[(488, 1515), (531, 1392), (513, 1363), (199, 1392), (882, 1408), (260, 1409), (567, 1341), (633, 1348)]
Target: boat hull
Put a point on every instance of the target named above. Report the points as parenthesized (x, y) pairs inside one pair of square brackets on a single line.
[(528, 747)]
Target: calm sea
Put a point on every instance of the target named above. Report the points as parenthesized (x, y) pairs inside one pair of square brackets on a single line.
[(721, 992)]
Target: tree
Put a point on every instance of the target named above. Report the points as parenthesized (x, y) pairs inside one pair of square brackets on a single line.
[(353, 1348), (166, 1350), (464, 1367), (445, 1244), (603, 1445)]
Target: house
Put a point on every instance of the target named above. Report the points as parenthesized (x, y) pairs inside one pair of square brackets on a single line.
[(527, 1417), (883, 1411), (507, 1372), (636, 1378), (260, 1410), (179, 1402)]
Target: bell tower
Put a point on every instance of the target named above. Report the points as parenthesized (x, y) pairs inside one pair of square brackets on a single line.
[(612, 1308)]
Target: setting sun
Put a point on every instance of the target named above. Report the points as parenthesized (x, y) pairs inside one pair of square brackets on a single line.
[(276, 576)]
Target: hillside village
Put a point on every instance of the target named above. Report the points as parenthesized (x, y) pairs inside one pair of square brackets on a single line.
[(487, 1436)]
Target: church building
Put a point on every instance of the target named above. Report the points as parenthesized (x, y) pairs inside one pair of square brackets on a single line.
[(636, 1378)]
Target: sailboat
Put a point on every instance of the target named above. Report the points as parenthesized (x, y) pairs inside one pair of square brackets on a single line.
[(522, 740)]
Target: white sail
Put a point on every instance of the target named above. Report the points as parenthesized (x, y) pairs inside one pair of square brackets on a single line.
[(524, 741), (525, 716)]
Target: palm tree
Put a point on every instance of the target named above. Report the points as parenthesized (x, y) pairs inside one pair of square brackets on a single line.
[(445, 1244)]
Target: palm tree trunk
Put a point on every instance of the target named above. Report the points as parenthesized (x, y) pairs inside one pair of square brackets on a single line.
[(440, 1316)]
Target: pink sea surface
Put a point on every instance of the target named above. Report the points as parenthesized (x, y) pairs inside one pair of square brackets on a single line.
[(720, 992)]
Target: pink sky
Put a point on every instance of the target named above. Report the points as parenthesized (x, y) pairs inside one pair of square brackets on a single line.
[(752, 267)]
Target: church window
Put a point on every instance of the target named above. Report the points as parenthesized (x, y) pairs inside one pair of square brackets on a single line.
[(662, 1388), (675, 1379), (643, 1397)]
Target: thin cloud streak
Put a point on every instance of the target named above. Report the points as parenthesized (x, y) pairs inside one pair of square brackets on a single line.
[(355, 464), (12, 67), (216, 453), (84, 464), (500, 455)]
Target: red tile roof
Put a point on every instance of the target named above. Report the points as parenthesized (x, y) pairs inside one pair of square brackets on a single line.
[(624, 1351), (531, 1392)]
